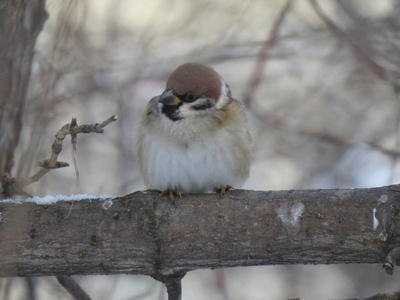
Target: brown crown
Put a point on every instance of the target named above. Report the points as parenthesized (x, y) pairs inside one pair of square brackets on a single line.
[(197, 79)]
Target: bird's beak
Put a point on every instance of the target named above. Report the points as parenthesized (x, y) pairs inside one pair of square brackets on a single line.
[(168, 98)]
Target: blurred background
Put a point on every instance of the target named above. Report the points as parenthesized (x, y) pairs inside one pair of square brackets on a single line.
[(321, 82)]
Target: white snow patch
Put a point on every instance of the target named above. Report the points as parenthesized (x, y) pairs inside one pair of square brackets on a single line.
[(53, 199), (383, 199), (107, 204), (297, 210), (146, 192), (375, 221), (383, 235), (292, 214)]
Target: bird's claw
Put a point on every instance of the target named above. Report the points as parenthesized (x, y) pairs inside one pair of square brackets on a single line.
[(171, 194), (222, 189)]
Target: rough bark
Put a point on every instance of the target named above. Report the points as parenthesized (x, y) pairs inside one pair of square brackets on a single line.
[(21, 22), (143, 233)]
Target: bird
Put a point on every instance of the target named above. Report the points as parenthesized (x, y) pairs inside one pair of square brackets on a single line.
[(194, 137)]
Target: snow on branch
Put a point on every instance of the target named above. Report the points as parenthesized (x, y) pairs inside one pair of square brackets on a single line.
[(144, 233)]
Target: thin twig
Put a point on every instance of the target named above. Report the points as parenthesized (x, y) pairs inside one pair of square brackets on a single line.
[(376, 69), (174, 289), (72, 129), (72, 287), (285, 123), (264, 55), (391, 259), (31, 288), (220, 281), (173, 283)]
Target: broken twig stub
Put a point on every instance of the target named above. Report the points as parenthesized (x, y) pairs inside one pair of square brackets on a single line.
[(15, 186)]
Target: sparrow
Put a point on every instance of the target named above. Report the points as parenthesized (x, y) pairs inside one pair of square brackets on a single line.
[(194, 137)]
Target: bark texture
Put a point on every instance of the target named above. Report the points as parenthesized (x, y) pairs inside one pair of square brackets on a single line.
[(143, 233), (21, 22)]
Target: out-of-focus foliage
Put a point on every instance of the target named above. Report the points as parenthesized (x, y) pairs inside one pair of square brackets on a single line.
[(326, 112)]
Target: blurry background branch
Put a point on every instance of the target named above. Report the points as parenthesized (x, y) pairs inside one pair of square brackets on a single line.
[(264, 55), (72, 287), (357, 38), (315, 98), (19, 28)]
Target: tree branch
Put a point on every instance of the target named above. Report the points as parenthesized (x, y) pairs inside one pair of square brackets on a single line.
[(21, 22), (390, 296), (264, 55), (379, 71), (72, 287), (15, 185), (143, 233)]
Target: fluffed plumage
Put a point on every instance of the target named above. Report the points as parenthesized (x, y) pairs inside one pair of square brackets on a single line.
[(194, 137)]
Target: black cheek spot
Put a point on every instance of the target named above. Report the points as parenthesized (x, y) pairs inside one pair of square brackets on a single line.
[(203, 106), (171, 111), (228, 90)]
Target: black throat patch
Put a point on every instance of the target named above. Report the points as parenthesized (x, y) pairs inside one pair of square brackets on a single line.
[(172, 111)]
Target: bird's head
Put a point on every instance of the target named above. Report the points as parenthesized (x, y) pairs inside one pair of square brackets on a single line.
[(193, 90)]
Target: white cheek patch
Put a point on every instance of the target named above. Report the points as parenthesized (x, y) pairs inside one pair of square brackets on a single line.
[(185, 110), (226, 94), (159, 106)]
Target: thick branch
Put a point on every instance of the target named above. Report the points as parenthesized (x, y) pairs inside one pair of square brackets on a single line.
[(144, 233), (21, 22)]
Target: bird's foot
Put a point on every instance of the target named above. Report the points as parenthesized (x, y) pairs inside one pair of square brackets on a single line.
[(171, 194), (222, 189)]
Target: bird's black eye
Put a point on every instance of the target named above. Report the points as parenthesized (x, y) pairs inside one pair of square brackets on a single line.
[(190, 97)]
